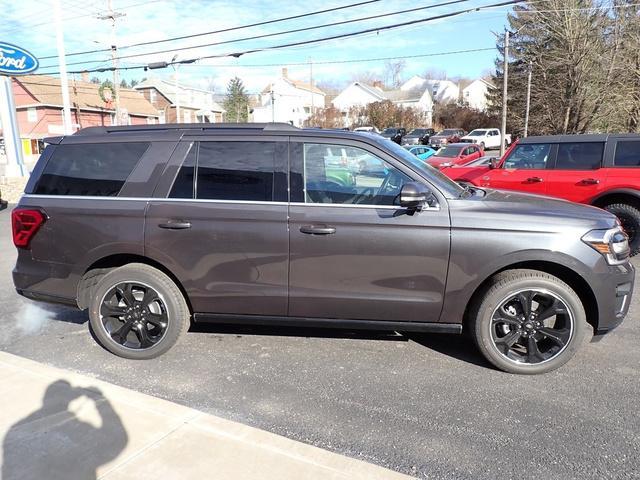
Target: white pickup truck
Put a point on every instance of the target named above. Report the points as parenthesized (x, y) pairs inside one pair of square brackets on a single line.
[(486, 138)]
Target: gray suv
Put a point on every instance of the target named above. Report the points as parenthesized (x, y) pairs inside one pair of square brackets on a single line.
[(151, 228)]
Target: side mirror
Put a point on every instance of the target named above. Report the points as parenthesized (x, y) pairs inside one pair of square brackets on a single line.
[(414, 195), (494, 163)]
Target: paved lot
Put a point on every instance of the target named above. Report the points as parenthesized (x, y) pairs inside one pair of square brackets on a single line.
[(428, 406)]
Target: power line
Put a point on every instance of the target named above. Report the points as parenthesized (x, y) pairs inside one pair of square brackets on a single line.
[(266, 22), (266, 35), (333, 37)]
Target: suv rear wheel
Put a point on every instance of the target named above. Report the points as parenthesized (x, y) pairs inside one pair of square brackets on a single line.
[(138, 312), (527, 322), (630, 219)]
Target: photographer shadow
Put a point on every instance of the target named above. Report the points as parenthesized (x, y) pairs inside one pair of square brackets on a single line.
[(53, 443)]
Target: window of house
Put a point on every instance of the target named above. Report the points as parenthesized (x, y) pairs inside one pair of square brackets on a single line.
[(32, 115), (186, 116), (355, 176), (90, 169), (579, 156), (627, 154), (152, 95), (227, 171)]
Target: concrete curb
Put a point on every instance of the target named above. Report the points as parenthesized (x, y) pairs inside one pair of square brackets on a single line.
[(59, 424)]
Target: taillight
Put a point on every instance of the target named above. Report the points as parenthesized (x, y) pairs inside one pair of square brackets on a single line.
[(25, 223)]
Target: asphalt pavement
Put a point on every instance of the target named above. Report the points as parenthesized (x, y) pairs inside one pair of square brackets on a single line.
[(427, 406)]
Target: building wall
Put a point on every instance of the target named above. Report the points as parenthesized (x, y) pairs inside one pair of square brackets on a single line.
[(291, 105), (475, 95), (353, 96)]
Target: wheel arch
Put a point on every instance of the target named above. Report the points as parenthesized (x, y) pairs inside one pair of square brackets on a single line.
[(622, 195), (564, 273), (98, 268)]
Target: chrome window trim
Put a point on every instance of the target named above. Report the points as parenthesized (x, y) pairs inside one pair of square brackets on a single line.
[(233, 202)]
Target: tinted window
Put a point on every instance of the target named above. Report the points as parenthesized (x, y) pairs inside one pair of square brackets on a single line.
[(236, 171), (529, 157), (579, 156), (364, 179), (96, 169), (627, 154), (183, 186)]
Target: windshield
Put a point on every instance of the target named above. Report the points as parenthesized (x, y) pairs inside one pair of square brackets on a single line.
[(448, 152), (440, 179), (417, 131), (448, 133), (390, 131), (478, 133)]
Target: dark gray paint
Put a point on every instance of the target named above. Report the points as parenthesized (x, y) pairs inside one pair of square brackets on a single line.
[(381, 264)]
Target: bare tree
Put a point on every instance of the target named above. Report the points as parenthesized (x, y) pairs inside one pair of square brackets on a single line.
[(393, 72)]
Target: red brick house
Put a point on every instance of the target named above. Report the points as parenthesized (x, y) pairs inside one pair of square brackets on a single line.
[(38, 100)]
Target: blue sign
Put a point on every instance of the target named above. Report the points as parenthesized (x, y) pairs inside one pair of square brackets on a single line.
[(15, 60)]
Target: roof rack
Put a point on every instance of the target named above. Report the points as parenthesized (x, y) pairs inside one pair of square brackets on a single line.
[(187, 126)]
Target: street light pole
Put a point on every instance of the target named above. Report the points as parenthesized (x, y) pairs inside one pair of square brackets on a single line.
[(505, 77), (526, 112), (64, 83)]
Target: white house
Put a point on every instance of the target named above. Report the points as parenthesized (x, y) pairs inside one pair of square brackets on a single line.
[(442, 91), (287, 100), (474, 95), (359, 94)]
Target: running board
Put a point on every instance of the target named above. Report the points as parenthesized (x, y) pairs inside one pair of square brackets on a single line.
[(232, 319)]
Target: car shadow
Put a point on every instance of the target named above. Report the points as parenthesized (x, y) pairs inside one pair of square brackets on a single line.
[(459, 347)]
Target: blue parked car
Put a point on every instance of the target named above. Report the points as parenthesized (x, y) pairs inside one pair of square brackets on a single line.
[(421, 151)]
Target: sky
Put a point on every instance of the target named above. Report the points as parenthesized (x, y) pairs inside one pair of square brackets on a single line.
[(29, 24)]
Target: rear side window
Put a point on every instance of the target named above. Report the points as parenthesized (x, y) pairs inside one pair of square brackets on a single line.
[(579, 156), (89, 169), (227, 171), (627, 154)]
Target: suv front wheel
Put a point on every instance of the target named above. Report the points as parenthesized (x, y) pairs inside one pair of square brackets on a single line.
[(138, 312), (527, 322)]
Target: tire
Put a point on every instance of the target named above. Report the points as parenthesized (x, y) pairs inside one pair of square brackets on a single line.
[(630, 219), (482, 146), (554, 345), (117, 324)]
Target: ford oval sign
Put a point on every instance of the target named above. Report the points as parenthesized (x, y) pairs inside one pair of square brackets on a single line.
[(15, 60)]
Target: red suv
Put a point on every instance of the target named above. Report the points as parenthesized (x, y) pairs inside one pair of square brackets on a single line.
[(599, 170)]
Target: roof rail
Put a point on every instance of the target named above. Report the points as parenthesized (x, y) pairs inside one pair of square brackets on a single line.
[(187, 126)]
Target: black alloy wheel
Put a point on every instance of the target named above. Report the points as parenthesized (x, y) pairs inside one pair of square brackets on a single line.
[(134, 315), (531, 327)]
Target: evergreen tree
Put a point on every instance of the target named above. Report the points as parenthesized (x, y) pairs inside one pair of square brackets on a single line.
[(236, 103)]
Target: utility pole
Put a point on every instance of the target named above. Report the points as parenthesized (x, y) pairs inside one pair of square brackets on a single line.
[(113, 16), (526, 112), (504, 91), (273, 111), (176, 86), (311, 84), (64, 83)]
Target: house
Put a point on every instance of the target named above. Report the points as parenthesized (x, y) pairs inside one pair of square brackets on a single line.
[(359, 94), (38, 100), (475, 94), (442, 91), (196, 105), (288, 100)]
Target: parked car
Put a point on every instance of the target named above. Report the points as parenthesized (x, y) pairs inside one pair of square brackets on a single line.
[(446, 136), (394, 134), (418, 136), (152, 227), (486, 138), (366, 129), (421, 151), (3, 203), (455, 154), (598, 170)]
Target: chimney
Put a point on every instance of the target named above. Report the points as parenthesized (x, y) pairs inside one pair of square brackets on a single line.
[(85, 76), (285, 72)]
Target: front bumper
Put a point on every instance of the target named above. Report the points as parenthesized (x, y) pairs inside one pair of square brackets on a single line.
[(613, 292)]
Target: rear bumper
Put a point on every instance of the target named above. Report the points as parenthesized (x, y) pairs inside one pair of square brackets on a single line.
[(45, 281)]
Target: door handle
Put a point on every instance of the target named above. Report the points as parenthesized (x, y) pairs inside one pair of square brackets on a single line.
[(589, 181), (175, 225), (534, 180), (317, 229)]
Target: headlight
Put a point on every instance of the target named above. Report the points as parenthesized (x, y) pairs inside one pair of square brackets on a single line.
[(446, 164), (613, 244)]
